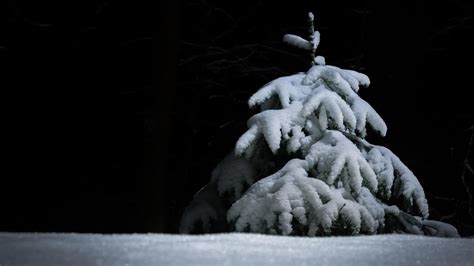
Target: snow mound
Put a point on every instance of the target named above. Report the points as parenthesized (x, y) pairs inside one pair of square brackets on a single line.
[(231, 249)]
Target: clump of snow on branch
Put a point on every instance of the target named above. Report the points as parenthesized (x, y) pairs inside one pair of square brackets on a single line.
[(396, 180), (407, 185), (320, 60), (288, 89), (439, 229), (233, 175), (329, 105), (274, 125), (297, 41), (334, 159), (365, 113)]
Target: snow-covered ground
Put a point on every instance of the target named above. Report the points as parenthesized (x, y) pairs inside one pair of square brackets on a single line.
[(231, 249)]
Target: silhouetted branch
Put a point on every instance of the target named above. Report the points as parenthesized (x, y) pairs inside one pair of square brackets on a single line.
[(468, 169)]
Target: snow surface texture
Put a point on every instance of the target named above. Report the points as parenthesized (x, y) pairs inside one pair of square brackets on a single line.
[(331, 182), (231, 249)]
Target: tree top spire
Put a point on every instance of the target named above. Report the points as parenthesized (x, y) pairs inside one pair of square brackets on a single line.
[(311, 44)]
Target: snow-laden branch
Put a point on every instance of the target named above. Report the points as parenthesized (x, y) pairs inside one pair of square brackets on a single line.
[(290, 202), (232, 176), (328, 104), (336, 159), (297, 41), (366, 114), (274, 125), (344, 81), (405, 186), (288, 89)]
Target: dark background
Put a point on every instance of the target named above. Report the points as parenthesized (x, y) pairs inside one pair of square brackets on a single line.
[(116, 113)]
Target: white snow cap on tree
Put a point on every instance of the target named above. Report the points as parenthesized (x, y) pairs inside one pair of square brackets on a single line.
[(307, 165)]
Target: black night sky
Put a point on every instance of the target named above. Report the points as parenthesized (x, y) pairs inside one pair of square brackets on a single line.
[(117, 112)]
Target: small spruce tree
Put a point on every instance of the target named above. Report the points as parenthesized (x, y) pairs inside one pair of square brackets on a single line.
[(303, 167)]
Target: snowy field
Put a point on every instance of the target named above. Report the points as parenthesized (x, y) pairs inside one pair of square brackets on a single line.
[(231, 249)]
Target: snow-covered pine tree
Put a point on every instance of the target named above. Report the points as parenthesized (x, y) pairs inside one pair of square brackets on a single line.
[(303, 166)]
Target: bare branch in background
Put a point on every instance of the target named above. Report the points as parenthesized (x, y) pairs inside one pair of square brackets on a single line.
[(467, 170)]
